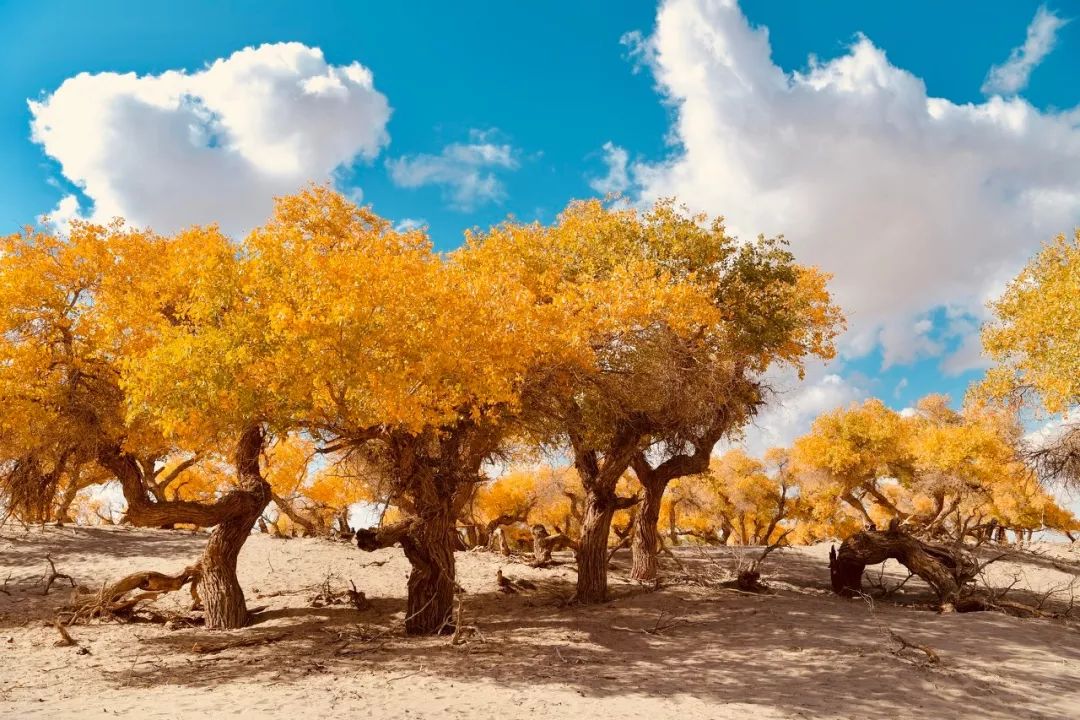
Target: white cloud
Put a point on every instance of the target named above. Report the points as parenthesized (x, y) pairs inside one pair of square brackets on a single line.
[(968, 356), (791, 412), (467, 171), (59, 218), (214, 145), (617, 179), (913, 202), (407, 224), (1012, 76)]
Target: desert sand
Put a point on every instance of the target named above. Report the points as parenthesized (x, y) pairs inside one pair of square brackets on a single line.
[(685, 650)]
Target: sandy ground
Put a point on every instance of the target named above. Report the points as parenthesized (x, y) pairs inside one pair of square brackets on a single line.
[(798, 653)]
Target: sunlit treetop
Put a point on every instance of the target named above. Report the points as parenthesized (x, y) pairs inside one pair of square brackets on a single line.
[(1034, 336), (856, 444)]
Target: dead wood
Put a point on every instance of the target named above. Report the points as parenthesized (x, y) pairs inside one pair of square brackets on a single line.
[(658, 628), (946, 569), (463, 632), (512, 585), (931, 656), (949, 570), (545, 543), (121, 600), (65, 637), (51, 576)]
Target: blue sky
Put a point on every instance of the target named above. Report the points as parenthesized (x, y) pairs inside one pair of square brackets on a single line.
[(505, 108)]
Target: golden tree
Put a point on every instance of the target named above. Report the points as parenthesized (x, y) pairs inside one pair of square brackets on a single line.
[(1034, 338), (858, 450), (83, 317), (409, 361)]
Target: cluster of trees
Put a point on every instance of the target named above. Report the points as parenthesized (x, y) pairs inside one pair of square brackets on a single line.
[(942, 474), (328, 357)]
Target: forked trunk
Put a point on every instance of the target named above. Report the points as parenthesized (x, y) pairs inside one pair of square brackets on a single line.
[(646, 544), (431, 582), (592, 550)]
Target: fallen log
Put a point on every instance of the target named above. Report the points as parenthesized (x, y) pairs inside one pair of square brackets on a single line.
[(120, 600), (946, 569)]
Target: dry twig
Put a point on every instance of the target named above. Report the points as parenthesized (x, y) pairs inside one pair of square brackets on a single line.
[(52, 576)]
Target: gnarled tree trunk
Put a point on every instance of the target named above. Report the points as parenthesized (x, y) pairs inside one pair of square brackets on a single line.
[(428, 546), (232, 516), (219, 587), (430, 551), (646, 542), (945, 569)]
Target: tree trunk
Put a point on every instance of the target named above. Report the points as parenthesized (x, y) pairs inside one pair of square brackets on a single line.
[(945, 569), (289, 510), (219, 588), (646, 543), (592, 550), (431, 582), (63, 510)]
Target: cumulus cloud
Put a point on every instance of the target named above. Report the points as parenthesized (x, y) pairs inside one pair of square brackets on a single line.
[(617, 179), (913, 202), (214, 145), (1012, 76), (968, 356), (468, 172), (59, 218), (407, 224), (791, 411)]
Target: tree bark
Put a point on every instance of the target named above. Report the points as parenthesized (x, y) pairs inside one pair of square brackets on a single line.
[(646, 541), (232, 516), (430, 606), (427, 545), (63, 510), (225, 607), (592, 550), (287, 508)]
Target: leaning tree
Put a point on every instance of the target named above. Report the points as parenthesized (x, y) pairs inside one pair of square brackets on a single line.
[(97, 319)]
